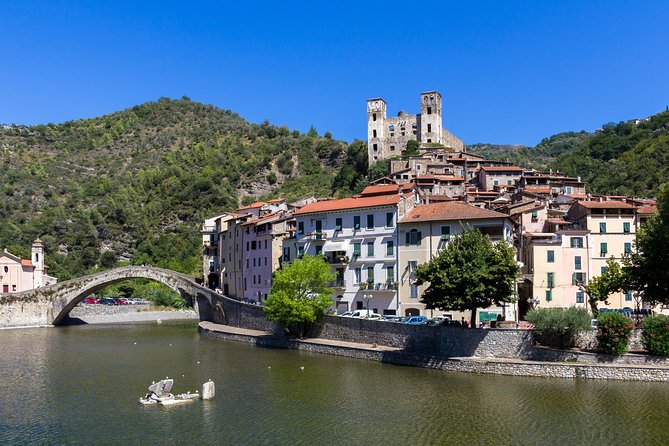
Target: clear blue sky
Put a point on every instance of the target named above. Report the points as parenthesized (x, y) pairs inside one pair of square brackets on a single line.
[(509, 71)]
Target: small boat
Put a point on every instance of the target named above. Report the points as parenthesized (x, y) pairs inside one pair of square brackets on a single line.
[(159, 393)]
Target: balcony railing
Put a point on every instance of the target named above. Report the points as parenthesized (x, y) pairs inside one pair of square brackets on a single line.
[(315, 236), (378, 286), (338, 283)]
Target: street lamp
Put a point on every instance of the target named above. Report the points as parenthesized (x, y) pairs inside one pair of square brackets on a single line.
[(367, 298)]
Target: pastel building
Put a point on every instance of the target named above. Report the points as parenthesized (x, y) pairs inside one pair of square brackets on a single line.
[(426, 230), (18, 274), (358, 237)]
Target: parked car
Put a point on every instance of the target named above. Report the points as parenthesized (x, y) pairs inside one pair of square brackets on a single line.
[(108, 301), (346, 314), (92, 300), (366, 314), (415, 320), (439, 320), (119, 301), (393, 318)]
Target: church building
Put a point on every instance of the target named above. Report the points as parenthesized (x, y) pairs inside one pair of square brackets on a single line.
[(18, 275)]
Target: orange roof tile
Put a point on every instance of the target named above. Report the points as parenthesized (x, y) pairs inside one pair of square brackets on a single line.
[(379, 189), (255, 205), (605, 205), (350, 203), (449, 210), (26, 262), (647, 210), (502, 168)]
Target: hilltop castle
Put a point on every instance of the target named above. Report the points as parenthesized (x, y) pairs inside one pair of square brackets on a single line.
[(388, 137)]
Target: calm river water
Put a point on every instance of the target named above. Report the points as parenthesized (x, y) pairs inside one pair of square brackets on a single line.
[(80, 385)]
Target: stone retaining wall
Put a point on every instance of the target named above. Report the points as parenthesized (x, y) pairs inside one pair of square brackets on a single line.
[(467, 365)]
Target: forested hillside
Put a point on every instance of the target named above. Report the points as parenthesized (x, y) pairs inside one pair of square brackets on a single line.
[(135, 185), (628, 158)]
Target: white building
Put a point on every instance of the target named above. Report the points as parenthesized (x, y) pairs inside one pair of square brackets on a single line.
[(358, 237)]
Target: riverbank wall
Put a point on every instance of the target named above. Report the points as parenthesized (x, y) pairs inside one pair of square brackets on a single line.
[(394, 355), (112, 314)]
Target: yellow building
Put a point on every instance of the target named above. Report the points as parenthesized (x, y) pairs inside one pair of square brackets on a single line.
[(425, 231)]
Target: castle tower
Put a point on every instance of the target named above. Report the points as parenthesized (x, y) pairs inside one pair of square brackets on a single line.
[(430, 118), (37, 257), (376, 127)]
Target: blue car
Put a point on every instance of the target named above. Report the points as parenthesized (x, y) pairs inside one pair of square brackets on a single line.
[(415, 320)]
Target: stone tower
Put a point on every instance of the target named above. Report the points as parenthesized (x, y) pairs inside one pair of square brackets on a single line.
[(37, 257), (376, 126), (430, 117)]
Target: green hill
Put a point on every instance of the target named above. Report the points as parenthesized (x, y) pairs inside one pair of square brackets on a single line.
[(135, 185)]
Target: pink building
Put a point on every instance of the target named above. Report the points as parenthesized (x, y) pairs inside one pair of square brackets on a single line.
[(18, 275)]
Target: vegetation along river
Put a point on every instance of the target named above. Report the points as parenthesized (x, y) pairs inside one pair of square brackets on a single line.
[(81, 384)]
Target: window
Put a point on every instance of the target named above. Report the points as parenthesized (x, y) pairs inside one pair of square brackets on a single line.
[(286, 254), (319, 249), (375, 147), (578, 279), (628, 249), (392, 148), (390, 274), (604, 269), (370, 274), (357, 248), (429, 128), (356, 222), (628, 296), (253, 245), (550, 256), (254, 279), (445, 233), (577, 262), (602, 228), (550, 280), (370, 221), (495, 182), (358, 275), (300, 251), (576, 242), (358, 305), (265, 244), (549, 295), (6, 268), (370, 249), (373, 133), (247, 246), (413, 264), (390, 220), (254, 262), (535, 216), (579, 297), (413, 291), (338, 224), (373, 116), (413, 237), (247, 263), (603, 249), (300, 227), (390, 248), (626, 227), (429, 112)]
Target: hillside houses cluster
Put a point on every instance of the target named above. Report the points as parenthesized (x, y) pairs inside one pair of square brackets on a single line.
[(375, 240)]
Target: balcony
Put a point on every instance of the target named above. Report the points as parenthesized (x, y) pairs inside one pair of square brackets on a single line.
[(336, 259), (378, 286), (316, 236), (338, 283)]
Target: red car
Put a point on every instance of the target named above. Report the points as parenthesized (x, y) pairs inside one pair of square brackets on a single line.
[(92, 300), (120, 301)]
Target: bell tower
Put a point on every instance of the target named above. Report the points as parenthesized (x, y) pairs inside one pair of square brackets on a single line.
[(37, 257), (430, 117), (376, 125)]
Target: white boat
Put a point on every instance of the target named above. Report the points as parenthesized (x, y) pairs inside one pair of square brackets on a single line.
[(159, 393)]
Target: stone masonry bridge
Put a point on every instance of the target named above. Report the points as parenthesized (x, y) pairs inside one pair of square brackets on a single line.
[(51, 305)]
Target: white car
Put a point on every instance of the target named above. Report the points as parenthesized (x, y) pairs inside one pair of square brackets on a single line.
[(366, 314)]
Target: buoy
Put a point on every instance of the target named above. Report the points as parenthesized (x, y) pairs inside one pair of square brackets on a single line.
[(208, 390)]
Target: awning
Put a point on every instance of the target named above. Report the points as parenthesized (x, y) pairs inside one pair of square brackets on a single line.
[(330, 246)]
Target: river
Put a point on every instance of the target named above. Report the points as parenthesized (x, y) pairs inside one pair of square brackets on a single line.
[(80, 385)]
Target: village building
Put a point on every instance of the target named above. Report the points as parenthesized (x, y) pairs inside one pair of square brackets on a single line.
[(17, 274), (425, 231)]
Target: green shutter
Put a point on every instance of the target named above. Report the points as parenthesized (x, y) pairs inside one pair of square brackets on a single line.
[(338, 224), (408, 237), (626, 226), (603, 248), (419, 236), (389, 220), (356, 222)]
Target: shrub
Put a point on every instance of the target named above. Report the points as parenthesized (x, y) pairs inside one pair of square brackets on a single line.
[(613, 332), (559, 326), (655, 334)]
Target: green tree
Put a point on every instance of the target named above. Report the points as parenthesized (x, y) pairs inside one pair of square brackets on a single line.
[(601, 287), (648, 270), (412, 149), (471, 272), (300, 293)]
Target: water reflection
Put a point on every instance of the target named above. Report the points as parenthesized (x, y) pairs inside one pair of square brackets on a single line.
[(80, 385)]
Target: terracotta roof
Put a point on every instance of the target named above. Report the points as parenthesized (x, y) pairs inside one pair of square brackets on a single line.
[(380, 189), (502, 168), (605, 205), (449, 210), (538, 190), (277, 200), (26, 262), (255, 205), (349, 203), (647, 210)]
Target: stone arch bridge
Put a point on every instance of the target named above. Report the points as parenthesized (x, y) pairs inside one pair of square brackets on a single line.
[(51, 305)]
